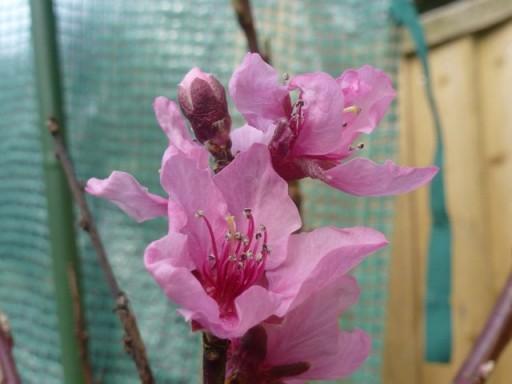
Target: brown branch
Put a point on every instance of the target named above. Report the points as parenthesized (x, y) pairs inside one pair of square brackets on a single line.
[(80, 326), (495, 336), (133, 343), (8, 371), (214, 359), (243, 12)]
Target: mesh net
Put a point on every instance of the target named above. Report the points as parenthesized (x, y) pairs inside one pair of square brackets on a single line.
[(116, 57)]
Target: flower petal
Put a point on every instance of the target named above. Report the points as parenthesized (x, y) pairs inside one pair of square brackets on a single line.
[(169, 117), (194, 190), (363, 177), (310, 334), (353, 348), (124, 190), (170, 249), (250, 314), (372, 91), (251, 182), (242, 138), (321, 128), (257, 94), (316, 258), (180, 285)]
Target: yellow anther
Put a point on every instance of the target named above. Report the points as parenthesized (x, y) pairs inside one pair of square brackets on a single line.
[(230, 220), (353, 109)]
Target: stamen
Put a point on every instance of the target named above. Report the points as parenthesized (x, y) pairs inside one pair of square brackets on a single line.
[(240, 263), (353, 109), (230, 220), (200, 214), (357, 147)]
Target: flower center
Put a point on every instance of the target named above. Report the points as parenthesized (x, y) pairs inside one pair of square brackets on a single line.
[(235, 263)]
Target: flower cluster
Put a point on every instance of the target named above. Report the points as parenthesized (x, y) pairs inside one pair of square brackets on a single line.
[(231, 259)]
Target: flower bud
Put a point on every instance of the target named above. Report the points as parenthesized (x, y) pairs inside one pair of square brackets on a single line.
[(202, 99)]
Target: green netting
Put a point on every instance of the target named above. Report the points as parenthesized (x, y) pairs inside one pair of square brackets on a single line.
[(116, 57)]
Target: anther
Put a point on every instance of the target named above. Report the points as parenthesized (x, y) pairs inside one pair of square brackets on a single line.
[(358, 147), (353, 109), (199, 213), (247, 212)]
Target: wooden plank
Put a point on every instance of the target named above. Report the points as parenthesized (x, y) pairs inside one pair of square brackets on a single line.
[(454, 76), (459, 19), (401, 346), (495, 79)]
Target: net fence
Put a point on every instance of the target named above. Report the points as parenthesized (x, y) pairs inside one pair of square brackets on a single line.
[(116, 56)]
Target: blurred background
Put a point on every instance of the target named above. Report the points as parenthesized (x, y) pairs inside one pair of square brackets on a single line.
[(116, 56)]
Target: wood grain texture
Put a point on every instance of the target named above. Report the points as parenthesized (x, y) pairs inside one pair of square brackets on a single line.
[(495, 80), (472, 79)]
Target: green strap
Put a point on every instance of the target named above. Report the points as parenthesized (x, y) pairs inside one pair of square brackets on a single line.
[(438, 322)]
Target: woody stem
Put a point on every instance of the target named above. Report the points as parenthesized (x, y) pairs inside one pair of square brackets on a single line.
[(214, 359)]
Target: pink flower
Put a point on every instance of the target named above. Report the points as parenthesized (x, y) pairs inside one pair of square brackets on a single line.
[(306, 345), (230, 260), (314, 136), (125, 191)]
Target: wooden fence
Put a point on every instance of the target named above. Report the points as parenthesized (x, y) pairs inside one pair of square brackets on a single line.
[(471, 62)]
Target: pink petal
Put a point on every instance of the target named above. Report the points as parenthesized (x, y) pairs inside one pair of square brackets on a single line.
[(251, 182), (316, 258), (363, 177), (125, 191), (252, 307), (170, 249), (257, 94), (310, 333), (194, 190), (352, 351), (370, 89), (242, 138), (180, 285), (169, 117), (321, 129)]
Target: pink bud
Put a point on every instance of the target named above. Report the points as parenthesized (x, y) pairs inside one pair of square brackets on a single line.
[(202, 99)]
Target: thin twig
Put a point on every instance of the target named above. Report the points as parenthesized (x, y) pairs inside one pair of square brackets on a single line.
[(495, 336), (134, 345), (8, 371), (244, 16), (80, 326)]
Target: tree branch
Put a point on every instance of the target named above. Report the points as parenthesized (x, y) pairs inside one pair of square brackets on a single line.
[(214, 359), (80, 326), (8, 371), (495, 336), (243, 13), (133, 343)]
